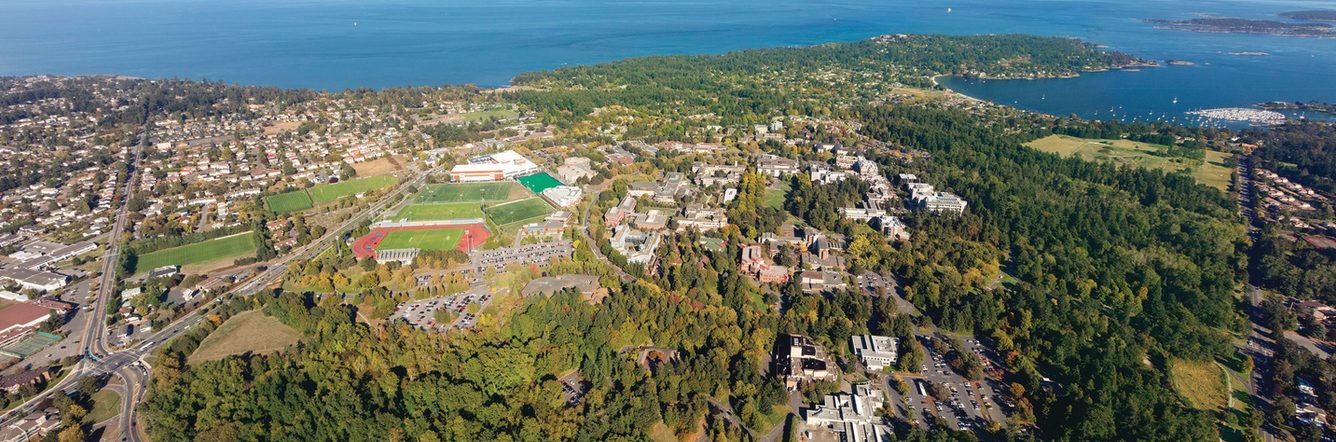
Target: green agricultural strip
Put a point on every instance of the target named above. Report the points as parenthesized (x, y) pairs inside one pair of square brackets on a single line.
[(227, 247)]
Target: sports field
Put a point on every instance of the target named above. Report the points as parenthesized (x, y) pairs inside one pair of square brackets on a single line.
[(325, 193), (247, 332), (288, 202), (437, 212), (227, 247), (466, 192), (539, 182), (433, 239), (1211, 172), (517, 211)]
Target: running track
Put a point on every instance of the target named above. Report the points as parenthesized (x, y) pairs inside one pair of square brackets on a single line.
[(365, 247)]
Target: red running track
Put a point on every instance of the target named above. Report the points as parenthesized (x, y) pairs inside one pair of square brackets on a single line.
[(365, 247)]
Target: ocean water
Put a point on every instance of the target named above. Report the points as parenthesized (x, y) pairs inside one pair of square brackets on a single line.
[(336, 44)]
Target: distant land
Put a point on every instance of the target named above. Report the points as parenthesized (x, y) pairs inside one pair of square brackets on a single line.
[(1317, 15), (1247, 26)]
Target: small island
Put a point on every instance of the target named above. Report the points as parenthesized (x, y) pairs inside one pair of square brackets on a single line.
[(1316, 15), (1247, 26)]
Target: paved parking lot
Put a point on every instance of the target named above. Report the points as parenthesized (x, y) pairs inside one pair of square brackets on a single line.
[(964, 405), (422, 313)]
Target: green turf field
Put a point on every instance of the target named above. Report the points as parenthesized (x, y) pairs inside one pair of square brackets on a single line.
[(465, 192), (325, 193), (227, 247), (539, 182), (289, 202), (436, 212), (517, 211), (433, 239)]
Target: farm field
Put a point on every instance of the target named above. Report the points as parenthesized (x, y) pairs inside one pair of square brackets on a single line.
[(1212, 172), (539, 182), (283, 203), (430, 239), (468, 192), (325, 193), (217, 249), (247, 332), (436, 212), (517, 211)]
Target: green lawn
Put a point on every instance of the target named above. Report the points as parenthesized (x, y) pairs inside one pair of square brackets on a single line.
[(289, 202), (1211, 172), (432, 239), (775, 195), (436, 212), (517, 211), (539, 182), (325, 193), (106, 405), (227, 247), (466, 192)]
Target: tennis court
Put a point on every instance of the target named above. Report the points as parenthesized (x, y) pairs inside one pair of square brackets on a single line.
[(30, 345)]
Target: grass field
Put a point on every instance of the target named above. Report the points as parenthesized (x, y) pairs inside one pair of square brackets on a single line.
[(432, 239), (436, 212), (227, 247), (289, 202), (106, 405), (379, 166), (466, 192), (775, 195), (325, 193), (517, 211), (247, 332), (539, 182), (1202, 383), (1212, 172)]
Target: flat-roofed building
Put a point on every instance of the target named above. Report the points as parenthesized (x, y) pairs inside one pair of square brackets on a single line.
[(877, 352)]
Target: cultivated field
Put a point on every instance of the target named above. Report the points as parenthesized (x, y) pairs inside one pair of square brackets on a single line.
[(517, 211), (247, 332), (436, 212), (217, 249), (1201, 383), (325, 193), (468, 192), (539, 182), (294, 201), (1125, 152), (432, 239)]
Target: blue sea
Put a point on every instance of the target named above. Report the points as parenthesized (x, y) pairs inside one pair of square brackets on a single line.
[(337, 44)]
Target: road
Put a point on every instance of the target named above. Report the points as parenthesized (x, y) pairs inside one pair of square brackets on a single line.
[(99, 360), (1259, 346)]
